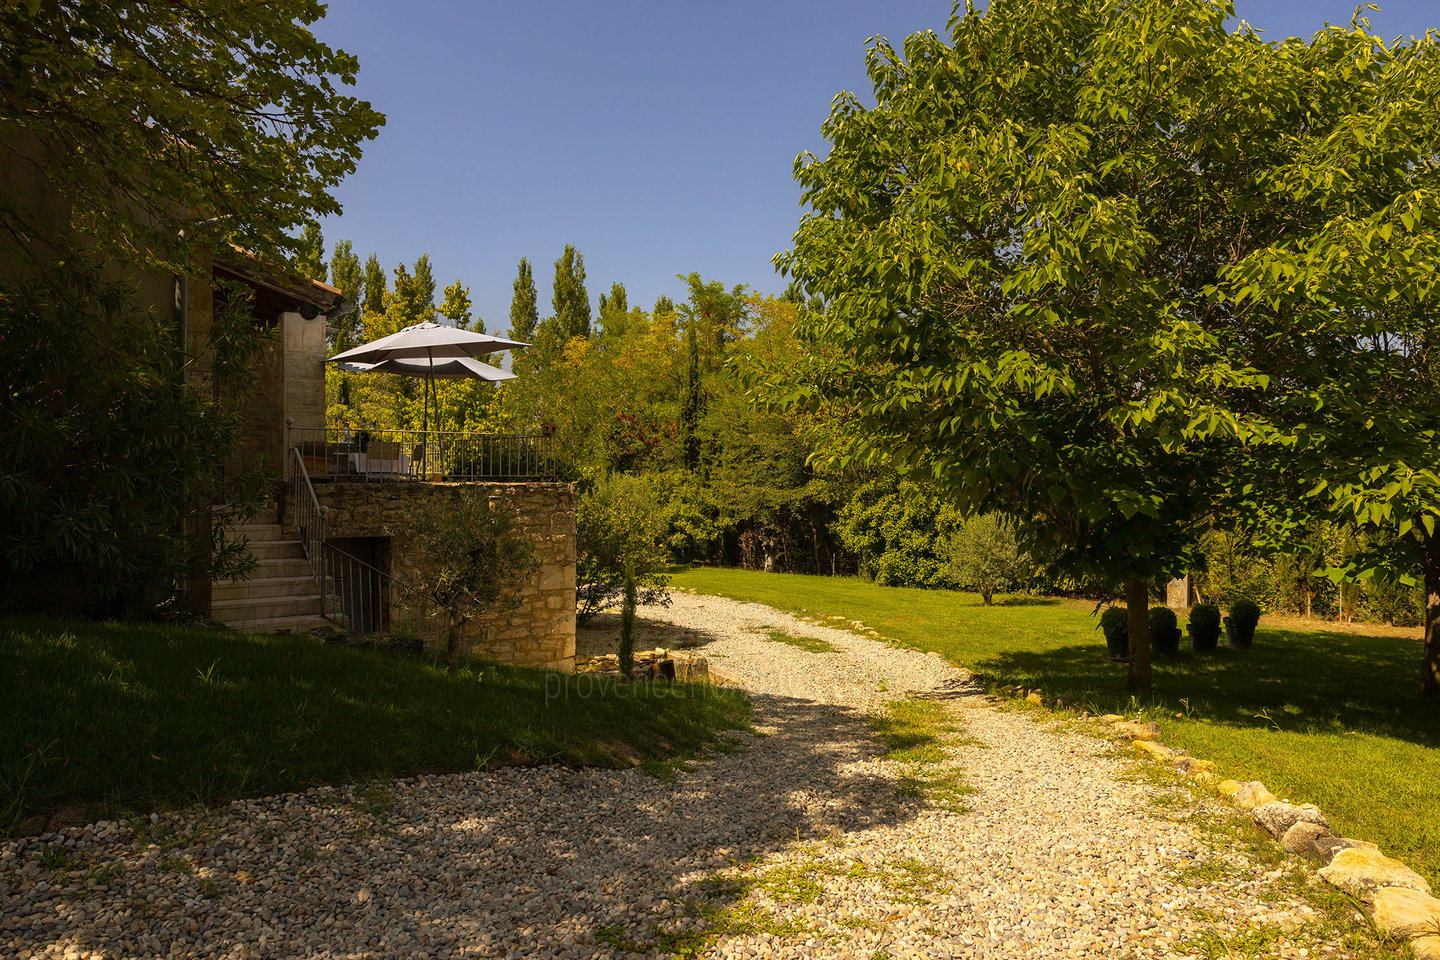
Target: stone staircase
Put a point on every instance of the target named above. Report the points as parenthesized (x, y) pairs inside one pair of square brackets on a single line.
[(280, 597)]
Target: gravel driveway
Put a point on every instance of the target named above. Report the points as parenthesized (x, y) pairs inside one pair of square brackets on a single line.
[(797, 841)]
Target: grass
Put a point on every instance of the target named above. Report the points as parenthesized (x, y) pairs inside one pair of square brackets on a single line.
[(1322, 717), (123, 719), (913, 733), (812, 644)]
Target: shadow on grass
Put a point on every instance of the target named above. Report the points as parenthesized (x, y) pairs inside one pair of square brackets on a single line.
[(1306, 682), (601, 634), (1027, 600)]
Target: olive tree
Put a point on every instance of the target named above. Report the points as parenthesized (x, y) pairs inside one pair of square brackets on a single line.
[(986, 557), (476, 558)]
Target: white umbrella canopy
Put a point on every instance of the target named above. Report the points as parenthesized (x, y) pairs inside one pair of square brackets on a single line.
[(426, 341), (429, 350), (446, 368)]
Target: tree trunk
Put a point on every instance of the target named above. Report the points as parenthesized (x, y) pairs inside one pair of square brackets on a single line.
[(1137, 622), (1430, 668), (985, 595), (627, 630), (452, 643)]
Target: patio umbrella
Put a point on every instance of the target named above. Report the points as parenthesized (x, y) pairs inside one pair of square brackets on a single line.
[(430, 350)]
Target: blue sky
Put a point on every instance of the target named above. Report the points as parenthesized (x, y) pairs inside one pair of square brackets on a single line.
[(658, 137)]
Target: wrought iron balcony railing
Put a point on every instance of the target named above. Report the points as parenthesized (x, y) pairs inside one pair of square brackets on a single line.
[(331, 454)]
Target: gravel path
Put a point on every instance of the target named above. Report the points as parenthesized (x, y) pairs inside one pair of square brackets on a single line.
[(800, 841)]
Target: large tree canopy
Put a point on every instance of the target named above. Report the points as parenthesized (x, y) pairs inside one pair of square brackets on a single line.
[(1032, 250), (220, 118)]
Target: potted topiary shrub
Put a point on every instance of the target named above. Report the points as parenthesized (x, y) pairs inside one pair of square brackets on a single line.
[(1117, 633), (1204, 627), (1164, 632), (1240, 625)]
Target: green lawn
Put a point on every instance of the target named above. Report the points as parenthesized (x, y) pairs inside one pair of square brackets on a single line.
[(128, 718), (1329, 718)]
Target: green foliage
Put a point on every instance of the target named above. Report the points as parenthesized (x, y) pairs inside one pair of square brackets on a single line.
[(570, 300), (345, 275), (1205, 619), (374, 299), (476, 558), (619, 546), (524, 306), (985, 556), (310, 259), (456, 308), (1163, 618), (898, 532), (1244, 613), (218, 120), (1114, 623), (111, 466)]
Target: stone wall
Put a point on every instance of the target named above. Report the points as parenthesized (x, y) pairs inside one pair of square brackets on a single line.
[(541, 632)]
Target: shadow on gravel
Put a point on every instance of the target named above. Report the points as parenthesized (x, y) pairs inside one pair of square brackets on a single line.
[(524, 860), (601, 635)]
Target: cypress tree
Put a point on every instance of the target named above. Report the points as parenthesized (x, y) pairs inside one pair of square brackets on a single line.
[(690, 402), (524, 308)]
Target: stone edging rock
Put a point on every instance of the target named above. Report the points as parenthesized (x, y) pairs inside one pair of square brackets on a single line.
[(1400, 901)]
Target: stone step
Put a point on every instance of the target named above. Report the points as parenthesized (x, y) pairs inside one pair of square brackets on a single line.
[(297, 624), (258, 587), (277, 550), (276, 567), (265, 608), (256, 532)]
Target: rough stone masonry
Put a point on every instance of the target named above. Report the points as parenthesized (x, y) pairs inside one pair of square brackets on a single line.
[(541, 631)]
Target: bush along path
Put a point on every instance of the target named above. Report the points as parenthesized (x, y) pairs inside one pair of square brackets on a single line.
[(882, 807)]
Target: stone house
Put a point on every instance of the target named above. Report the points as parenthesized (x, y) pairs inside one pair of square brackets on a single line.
[(333, 552)]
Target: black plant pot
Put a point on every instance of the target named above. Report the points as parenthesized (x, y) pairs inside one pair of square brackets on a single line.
[(1117, 646), (1165, 643), (1204, 641), (1240, 635)]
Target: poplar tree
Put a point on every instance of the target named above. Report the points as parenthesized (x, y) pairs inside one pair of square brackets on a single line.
[(663, 305), (570, 299), (456, 308), (345, 275), (374, 282), (310, 258), (524, 307), (614, 311)]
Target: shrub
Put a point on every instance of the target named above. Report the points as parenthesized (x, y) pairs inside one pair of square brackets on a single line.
[(985, 557), (1114, 622), (1205, 618), (1244, 613), (1162, 619)]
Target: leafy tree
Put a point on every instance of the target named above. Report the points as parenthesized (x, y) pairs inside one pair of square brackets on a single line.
[(310, 259), (346, 276), (374, 301), (693, 399), (168, 126), (614, 311), (621, 554), (107, 463), (476, 558), (570, 300), (986, 557), (457, 308), (422, 287), (899, 531), (718, 314), (663, 305), (524, 309), (1021, 249)]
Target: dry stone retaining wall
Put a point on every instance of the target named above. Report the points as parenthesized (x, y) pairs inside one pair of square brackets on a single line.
[(541, 631)]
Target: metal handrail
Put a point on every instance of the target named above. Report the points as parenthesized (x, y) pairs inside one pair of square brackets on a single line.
[(346, 571), (382, 454), (309, 518)]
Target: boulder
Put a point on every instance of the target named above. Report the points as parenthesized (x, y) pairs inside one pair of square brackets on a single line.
[(1227, 788), (1252, 795), (1138, 730), (1111, 718), (1426, 948), (1324, 848), (1154, 750), (1190, 766), (1034, 697), (1362, 873), (692, 668), (1406, 914), (1276, 818), (1204, 777), (1301, 837)]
